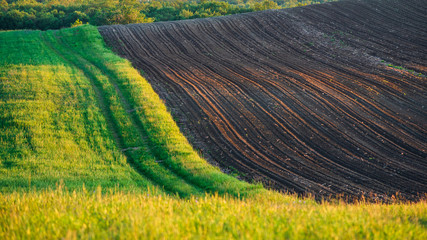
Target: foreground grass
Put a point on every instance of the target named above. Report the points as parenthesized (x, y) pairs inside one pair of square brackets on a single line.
[(118, 215)]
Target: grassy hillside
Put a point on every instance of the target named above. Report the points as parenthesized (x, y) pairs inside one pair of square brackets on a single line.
[(73, 111), (51, 127), (88, 150)]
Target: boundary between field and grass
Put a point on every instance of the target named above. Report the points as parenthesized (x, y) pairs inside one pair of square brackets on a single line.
[(139, 121), (136, 150)]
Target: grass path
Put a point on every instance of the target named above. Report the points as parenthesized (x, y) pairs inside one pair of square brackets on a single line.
[(51, 124), (149, 117), (139, 128), (148, 166)]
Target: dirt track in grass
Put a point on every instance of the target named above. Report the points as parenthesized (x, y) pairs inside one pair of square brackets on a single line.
[(325, 99)]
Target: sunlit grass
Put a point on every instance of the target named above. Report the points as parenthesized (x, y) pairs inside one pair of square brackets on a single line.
[(66, 115), (124, 215), (50, 124), (61, 95), (167, 143)]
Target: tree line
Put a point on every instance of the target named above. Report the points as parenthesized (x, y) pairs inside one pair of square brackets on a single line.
[(55, 14)]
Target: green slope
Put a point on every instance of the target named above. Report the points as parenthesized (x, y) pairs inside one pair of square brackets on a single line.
[(71, 110)]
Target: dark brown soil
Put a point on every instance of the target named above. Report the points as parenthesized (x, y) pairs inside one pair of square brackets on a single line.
[(326, 99)]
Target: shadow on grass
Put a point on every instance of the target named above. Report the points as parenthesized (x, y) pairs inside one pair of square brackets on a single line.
[(423, 222), (8, 163)]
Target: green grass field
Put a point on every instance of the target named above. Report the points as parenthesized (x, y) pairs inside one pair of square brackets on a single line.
[(71, 110), (88, 150), (51, 127), (117, 215)]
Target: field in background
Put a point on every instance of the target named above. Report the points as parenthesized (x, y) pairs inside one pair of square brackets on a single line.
[(326, 99)]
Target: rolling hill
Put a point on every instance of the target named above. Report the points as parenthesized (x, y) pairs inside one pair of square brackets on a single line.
[(73, 111), (325, 99)]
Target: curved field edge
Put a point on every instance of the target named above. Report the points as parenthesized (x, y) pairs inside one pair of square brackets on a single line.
[(117, 215), (164, 137), (128, 136), (318, 99), (135, 122)]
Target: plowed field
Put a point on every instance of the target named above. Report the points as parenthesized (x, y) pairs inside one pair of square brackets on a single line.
[(326, 99)]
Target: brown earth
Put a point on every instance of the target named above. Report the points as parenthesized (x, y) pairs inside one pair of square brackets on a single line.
[(325, 99)]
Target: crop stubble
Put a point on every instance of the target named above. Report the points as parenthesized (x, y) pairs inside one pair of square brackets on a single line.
[(323, 99)]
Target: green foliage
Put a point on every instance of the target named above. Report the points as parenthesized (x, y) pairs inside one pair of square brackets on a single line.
[(264, 5), (77, 23), (55, 14)]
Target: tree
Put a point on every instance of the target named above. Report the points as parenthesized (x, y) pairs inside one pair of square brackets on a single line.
[(77, 23), (266, 4), (4, 6)]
